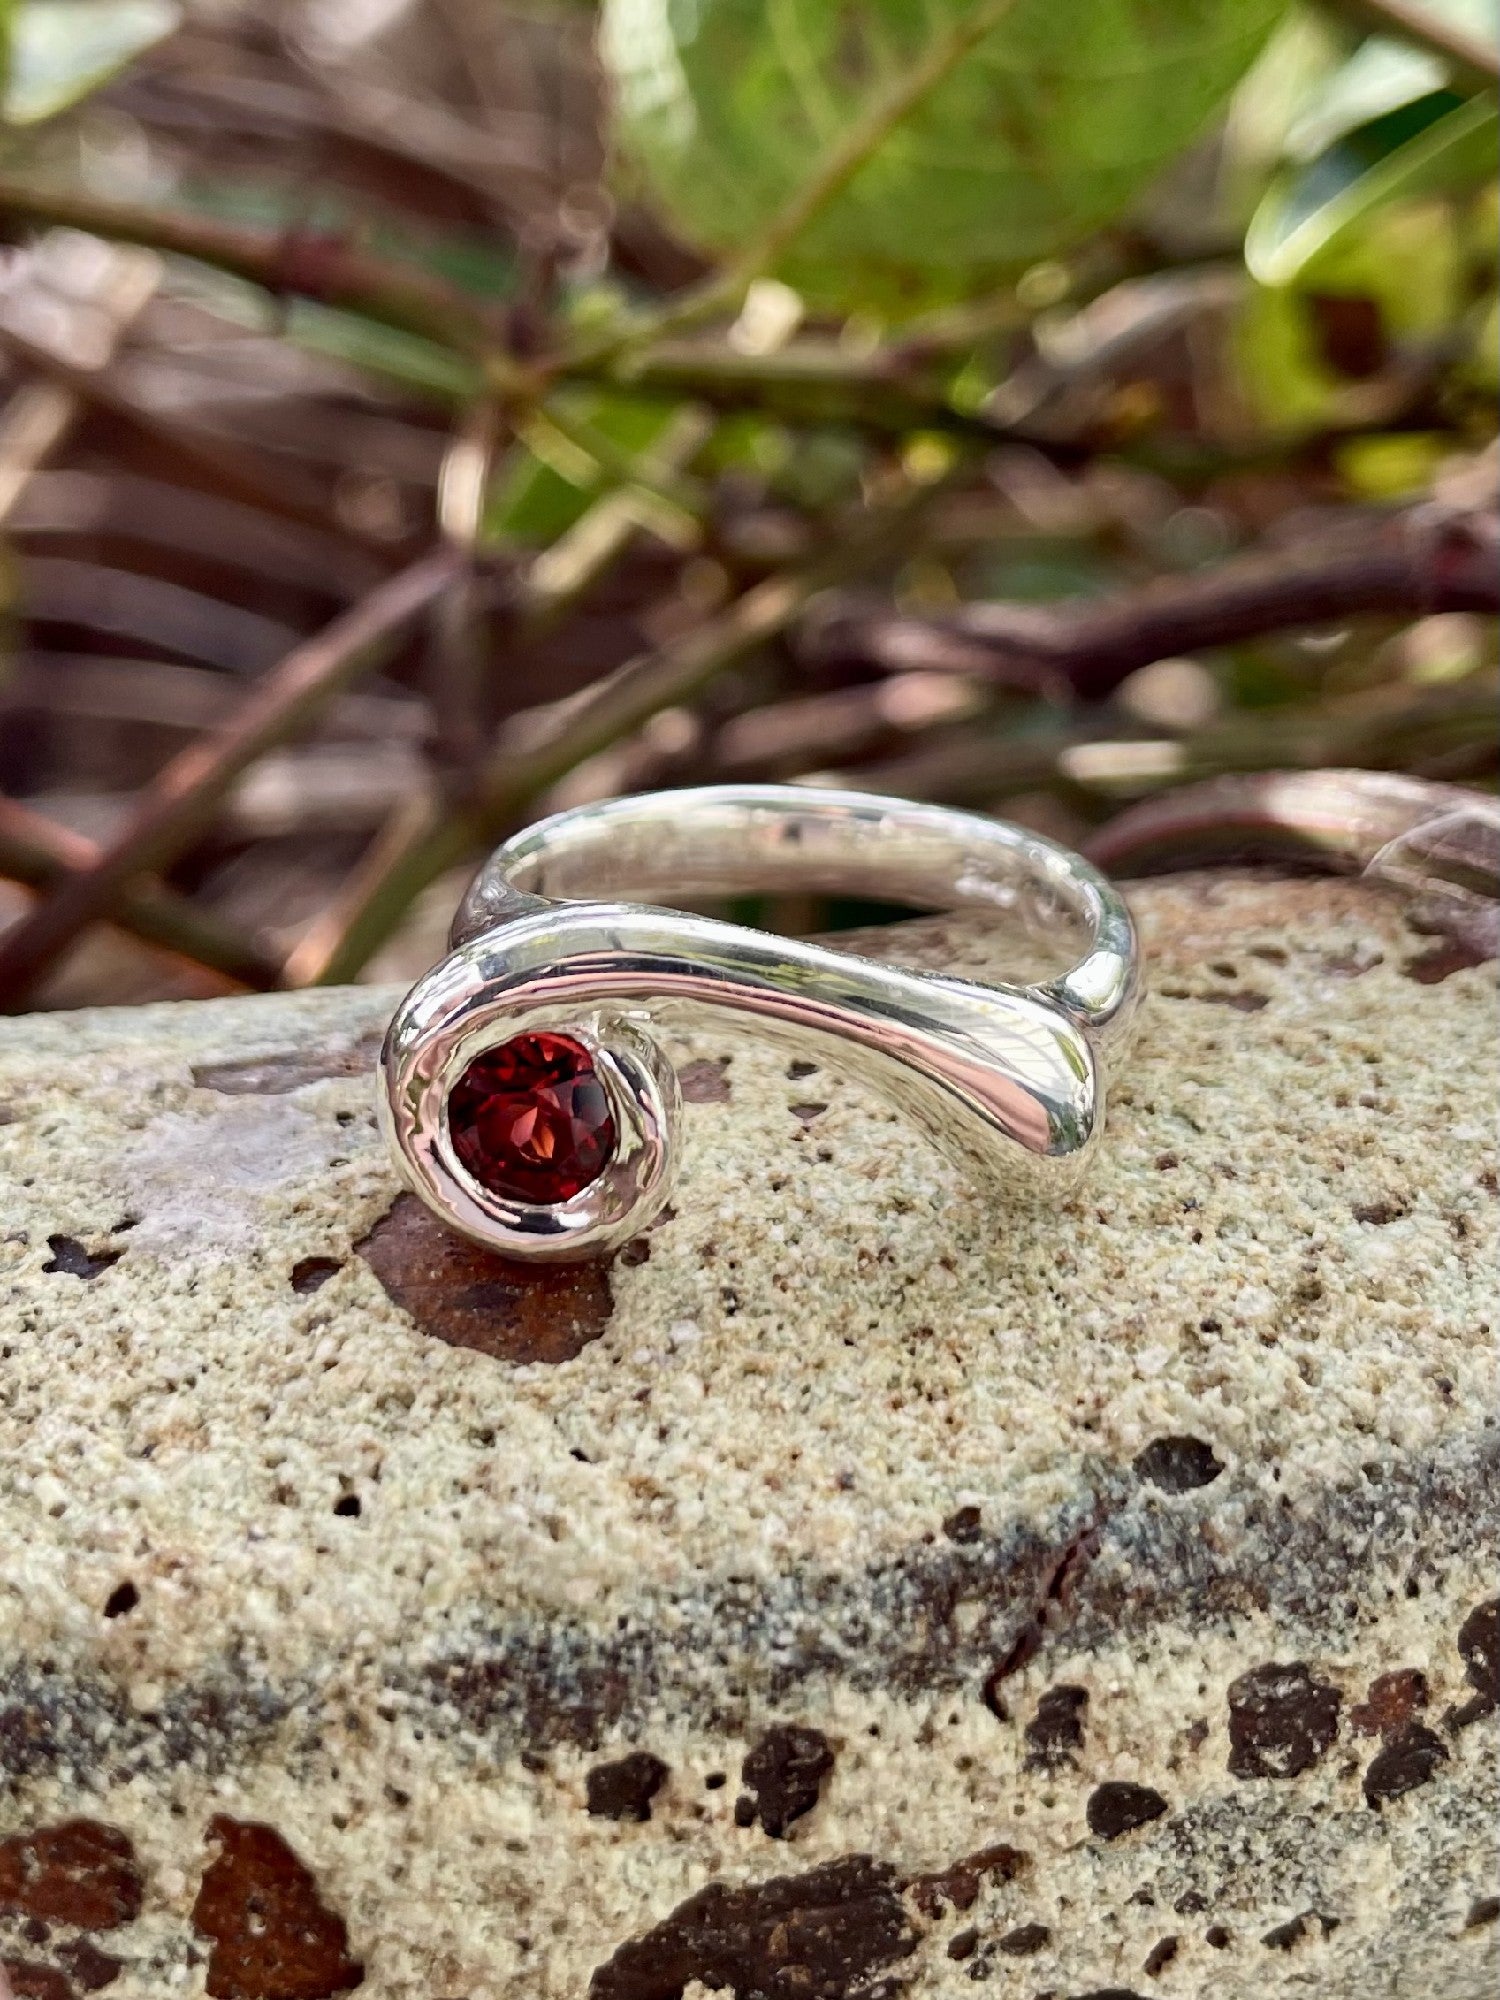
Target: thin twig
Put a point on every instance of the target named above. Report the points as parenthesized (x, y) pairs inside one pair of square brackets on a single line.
[(34, 422), (1382, 824), (814, 732), (560, 574), (321, 265), (557, 579), (186, 795), (206, 88), (229, 473), (685, 497), (408, 827), (601, 715), (1418, 561), (457, 662), (725, 290), (812, 381), (41, 854), (39, 416), (1395, 727), (1474, 57)]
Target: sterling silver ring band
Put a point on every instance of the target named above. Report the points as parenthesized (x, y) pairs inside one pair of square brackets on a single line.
[(525, 1093)]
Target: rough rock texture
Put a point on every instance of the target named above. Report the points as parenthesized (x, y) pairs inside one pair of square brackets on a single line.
[(853, 1591)]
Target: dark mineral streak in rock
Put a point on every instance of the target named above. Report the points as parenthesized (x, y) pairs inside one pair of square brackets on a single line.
[(1408, 1758), (77, 1872), (957, 1887), (1160, 1956), (1391, 1702), (705, 1081), (1479, 1649), (30, 1981), (1281, 1721), (1055, 1732), (470, 1297), (122, 1600), (1024, 1941), (823, 1933), (783, 1774), (89, 1968), (1309, 1924), (72, 1260), (272, 1935), (1118, 1808), (624, 1789)]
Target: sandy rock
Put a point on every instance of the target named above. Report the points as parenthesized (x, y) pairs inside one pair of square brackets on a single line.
[(851, 1591)]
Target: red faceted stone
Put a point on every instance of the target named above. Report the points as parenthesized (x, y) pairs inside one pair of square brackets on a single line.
[(530, 1119)]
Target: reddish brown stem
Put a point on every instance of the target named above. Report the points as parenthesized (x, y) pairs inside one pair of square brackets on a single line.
[(311, 264), (230, 472), (1344, 822), (1409, 564), (37, 851), (186, 795)]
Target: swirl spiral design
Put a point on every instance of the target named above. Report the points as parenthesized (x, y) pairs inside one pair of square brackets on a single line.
[(1008, 1079)]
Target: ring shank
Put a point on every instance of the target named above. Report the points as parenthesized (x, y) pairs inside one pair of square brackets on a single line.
[(667, 848)]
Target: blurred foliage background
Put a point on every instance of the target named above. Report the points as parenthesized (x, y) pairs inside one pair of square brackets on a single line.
[(420, 414)]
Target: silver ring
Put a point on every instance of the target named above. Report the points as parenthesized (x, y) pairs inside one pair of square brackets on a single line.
[(530, 1104)]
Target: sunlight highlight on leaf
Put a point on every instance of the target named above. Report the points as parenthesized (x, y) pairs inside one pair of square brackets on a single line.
[(1438, 144), (60, 52)]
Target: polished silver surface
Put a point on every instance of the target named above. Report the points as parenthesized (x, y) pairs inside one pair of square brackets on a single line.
[(1007, 1079)]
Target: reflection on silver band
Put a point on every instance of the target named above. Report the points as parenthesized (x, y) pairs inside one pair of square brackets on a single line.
[(563, 931)]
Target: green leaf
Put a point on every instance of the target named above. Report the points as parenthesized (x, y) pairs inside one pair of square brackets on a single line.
[(472, 261), (60, 50), (1395, 466), (1382, 75), (1408, 259), (1053, 124), (1436, 145), (1379, 77), (1287, 382), (417, 364), (547, 485), (1290, 73)]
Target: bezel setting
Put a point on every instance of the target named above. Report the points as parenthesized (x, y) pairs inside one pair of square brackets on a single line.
[(442, 1027)]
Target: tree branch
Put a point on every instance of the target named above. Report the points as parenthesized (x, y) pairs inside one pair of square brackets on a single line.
[(186, 795), (893, 390), (41, 854), (577, 729), (232, 474), (1418, 561), (1349, 822), (1436, 729), (311, 264)]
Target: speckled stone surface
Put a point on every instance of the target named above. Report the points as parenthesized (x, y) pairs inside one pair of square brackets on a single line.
[(853, 1591)]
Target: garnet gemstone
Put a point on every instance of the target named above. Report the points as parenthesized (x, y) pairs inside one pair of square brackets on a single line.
[(530, 1119)]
